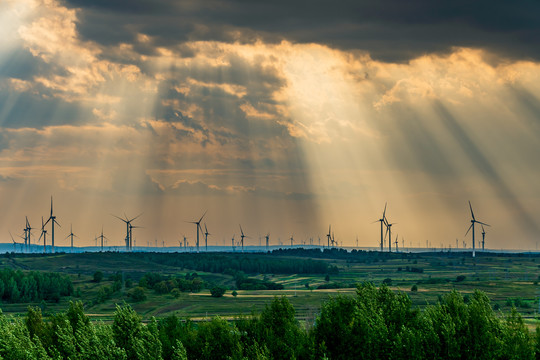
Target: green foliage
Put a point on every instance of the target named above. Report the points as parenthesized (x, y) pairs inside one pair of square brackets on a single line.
[(33, 286), (217, 291), (387, 282), (137, 294), (98, 276), (246, 283), (138, 341), (414, 287), (460, 278), (376, 323), (234, 293)]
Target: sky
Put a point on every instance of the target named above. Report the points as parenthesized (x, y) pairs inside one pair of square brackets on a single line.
[(284, 117)]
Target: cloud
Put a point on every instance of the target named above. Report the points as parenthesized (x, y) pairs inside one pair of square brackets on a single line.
[(390, 30)]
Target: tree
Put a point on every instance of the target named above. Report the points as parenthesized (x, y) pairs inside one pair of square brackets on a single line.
[(179, 352), (137, 294), (138, 341), (217, 291), (98, 276)]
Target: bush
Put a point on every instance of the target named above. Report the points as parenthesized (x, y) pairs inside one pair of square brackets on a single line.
[(234, 293), (98, 276), (176, 293), (137, 294), (387, 282), (460, 278), (414, 288), (217, 291)]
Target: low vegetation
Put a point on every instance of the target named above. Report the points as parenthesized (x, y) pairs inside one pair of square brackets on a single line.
[(376, 323)]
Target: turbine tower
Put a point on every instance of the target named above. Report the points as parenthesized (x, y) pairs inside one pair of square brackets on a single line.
[(483, 236), (389, 231), (232, 242), (473, 221), (44, 234), (242, 237), (128, 229), (383, 221), (396, 243), (72, 235), (52, 219), (206, 233), (25, 238), (292, 240), (329, 235), (267, 237), (28, 234), (101, 237), (198, 224)]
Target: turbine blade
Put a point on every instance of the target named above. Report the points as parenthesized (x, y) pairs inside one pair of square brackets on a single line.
[(51, 206), (119, 218), (384, 212), (135, 217), (472, 213), (203, 216), (483, 223), (470, 227)]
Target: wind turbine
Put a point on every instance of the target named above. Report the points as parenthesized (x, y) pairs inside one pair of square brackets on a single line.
[(52, 219), (396, 243), (206, 233), (185, 242), (102, 237), (128, 229), (198, 224), (28, 234), (14, 243), (232, 242), (25, 238), (483, 236), (131, 240), (329, 235), (267, 237), (242, 237), (292, 240), (72, 235), (473, 221), (383, 221)]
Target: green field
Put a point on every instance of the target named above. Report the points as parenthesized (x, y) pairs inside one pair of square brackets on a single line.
[(508, 279)]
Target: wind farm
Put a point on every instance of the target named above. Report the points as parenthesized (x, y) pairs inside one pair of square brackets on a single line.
[(127, 243)]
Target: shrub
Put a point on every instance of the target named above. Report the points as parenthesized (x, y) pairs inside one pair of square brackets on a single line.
[(98, 276), (217, 291), (387, 282), (137, 294), (414, 288)]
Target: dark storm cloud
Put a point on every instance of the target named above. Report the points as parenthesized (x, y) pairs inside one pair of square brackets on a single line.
[(392, 30)]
